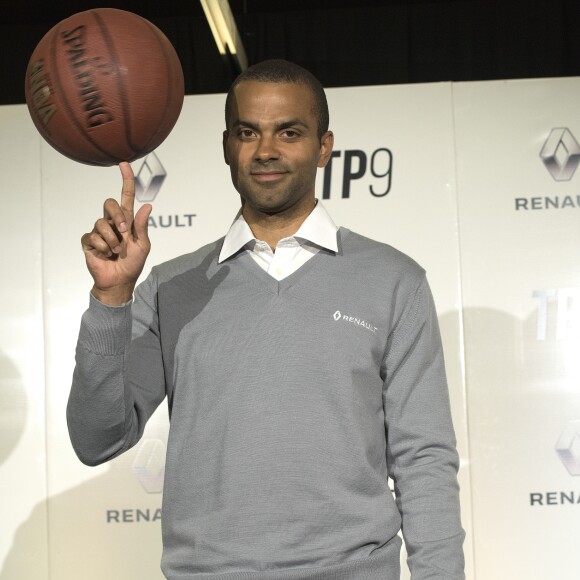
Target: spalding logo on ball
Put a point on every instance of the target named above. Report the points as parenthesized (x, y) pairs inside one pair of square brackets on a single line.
[(104, 86)]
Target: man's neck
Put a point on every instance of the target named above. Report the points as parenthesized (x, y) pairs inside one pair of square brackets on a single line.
[(271, 228)]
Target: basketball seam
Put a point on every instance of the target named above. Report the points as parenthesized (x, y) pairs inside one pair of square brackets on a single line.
[(169, 92), (122, 88)]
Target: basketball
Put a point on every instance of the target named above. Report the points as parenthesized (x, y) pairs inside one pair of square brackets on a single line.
[(104, 86)]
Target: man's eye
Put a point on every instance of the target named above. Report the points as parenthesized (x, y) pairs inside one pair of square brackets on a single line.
[(289, 133), (246, 133)]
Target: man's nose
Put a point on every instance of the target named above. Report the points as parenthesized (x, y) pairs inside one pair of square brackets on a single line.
[(266, 149)]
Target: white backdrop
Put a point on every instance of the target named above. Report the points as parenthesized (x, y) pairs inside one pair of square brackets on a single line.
[(448, 173)]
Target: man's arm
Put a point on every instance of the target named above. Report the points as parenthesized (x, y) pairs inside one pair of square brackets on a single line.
[(118, 380), (106, 413), (422, 456)]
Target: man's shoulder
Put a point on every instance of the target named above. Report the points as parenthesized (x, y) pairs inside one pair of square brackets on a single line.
[(205, 256), (375, 254)]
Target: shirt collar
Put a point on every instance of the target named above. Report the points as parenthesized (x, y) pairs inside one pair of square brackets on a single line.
[(318, 228)]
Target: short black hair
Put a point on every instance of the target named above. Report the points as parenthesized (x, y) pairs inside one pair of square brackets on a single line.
[(283, 71)]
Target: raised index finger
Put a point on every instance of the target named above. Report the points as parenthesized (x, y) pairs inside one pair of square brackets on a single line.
[(128, 192)]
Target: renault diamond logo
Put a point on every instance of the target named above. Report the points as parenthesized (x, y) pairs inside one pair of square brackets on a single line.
[(149, 178), (561, 154), (149, 465), (568, 447)]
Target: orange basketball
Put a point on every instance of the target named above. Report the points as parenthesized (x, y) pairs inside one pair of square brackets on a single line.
[(104, 86)]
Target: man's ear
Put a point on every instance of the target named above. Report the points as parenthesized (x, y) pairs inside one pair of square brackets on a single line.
[(225, 136), (326, 145)]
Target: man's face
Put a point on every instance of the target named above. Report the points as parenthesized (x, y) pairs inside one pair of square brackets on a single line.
[(272, 147)]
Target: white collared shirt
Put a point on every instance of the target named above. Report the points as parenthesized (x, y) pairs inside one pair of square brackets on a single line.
[(316, 232)]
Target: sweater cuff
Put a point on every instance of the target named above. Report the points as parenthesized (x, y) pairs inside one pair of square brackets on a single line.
[(105, 330)]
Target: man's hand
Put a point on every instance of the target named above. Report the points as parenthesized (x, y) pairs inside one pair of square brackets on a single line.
[(117, 247)]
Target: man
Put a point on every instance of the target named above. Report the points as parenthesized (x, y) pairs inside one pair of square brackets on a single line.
[(302, 366)]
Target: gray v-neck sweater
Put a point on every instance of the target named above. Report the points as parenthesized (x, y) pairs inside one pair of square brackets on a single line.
[(291, 402)]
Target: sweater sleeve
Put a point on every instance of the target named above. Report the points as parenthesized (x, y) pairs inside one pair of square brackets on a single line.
[(421, 445), (118, 380)]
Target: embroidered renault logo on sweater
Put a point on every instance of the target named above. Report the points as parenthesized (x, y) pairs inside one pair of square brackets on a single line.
[(338, 315)]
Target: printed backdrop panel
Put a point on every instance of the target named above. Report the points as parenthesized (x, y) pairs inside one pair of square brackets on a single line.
[(519, 223), (393, 179), (103, 515), (22, 402), (186, 180)]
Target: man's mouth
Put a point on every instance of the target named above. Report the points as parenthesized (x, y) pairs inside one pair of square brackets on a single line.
[(265, 176)]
